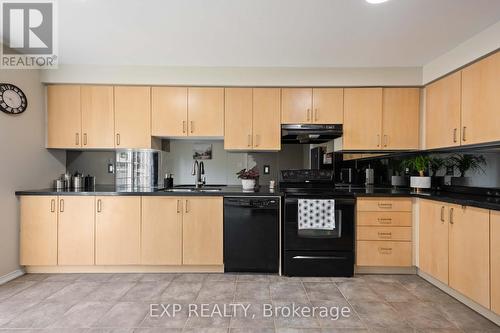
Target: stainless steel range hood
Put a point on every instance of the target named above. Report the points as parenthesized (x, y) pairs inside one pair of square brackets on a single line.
[(310, 133)]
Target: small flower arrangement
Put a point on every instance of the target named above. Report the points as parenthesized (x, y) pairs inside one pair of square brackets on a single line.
[(252, 173)]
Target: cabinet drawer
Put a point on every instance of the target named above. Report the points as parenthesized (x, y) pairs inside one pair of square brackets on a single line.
[(394, 219), (384, 233), (384, 253), (383, 205)]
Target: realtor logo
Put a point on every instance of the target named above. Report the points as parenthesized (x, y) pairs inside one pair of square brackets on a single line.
[(28, 34)]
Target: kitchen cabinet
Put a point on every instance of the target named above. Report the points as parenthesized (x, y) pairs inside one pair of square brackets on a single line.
[(206, 112), (132, 117), (202, 232), (97, 117), (169, 113), (252, 119), (161, 231), (400, 118), (481, 101), (433, 239), (469, 257), (118, 230), (362, 118), (312, 105), (442, 115), (495, 261), (384, 253), (64, 123), (38, 230), (75, 230)]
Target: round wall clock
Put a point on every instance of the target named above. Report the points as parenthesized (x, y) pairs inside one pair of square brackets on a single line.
[(12, 99)]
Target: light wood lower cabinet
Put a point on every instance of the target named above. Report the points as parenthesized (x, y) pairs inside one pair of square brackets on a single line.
[(118, 230), (38, 230), (75, 230), (495, 261), (384, 205), (384, 253), (161, 231), (433, 239), (470, 252), (202, 234)]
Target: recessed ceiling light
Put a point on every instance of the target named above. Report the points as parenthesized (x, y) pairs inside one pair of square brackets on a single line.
[(376, 1)]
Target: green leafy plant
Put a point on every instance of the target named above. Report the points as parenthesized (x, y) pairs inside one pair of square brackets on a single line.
[(419, 163), (436, 163), (252, 173), (466, 162)]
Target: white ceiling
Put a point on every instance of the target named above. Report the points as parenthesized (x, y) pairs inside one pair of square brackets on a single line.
[(295, 33)]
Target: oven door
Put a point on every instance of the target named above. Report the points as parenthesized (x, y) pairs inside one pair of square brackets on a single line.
[(339, 239)]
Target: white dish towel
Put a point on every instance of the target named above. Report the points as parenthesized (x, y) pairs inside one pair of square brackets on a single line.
[(316, 214)]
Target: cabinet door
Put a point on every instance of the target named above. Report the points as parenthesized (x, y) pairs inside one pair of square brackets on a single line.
[(202, 232), (470, 252), (161, 231), (400, 120), (206, 111), (481, 101), (38, 230), (238, 118), (64, 125), (118, 230), (362, 118), (296, 106), (442, 115), (495, 261), (76, 230), (98, 119), (433, 239), (328, 105), (132, 117), (169, 111), (266, 119)]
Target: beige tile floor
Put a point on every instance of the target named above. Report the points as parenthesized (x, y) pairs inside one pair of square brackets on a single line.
[(121, 303)]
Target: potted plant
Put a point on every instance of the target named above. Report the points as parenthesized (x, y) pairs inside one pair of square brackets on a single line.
[(436, 163), (419, 164), (248, 178), (464, 163)]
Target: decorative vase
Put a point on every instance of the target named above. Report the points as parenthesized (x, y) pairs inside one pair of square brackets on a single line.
[(419, 183), (248, 184)]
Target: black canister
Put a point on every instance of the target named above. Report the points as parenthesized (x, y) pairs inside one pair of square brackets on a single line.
[(168, 182), (89, 182)]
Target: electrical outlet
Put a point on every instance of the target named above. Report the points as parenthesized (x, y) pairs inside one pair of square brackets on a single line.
[(111, 168), (267, 169)]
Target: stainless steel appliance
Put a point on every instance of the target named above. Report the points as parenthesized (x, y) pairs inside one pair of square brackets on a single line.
[(316, 252), (310, 133), (139, 168)]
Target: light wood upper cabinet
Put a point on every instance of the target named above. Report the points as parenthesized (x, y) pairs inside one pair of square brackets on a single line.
[(470, 252), (495, 260), (161, 231), (75, 241), (328, 106), (238, 129), (400, 118), (118, 230), (433, 239), (202, 232), (481, 101), (64, 125), (362, 118), (38, 230), (97, 117), (442, 115), (132, 117), (296, 105), (206, 111), (169, 113), (266, 119)]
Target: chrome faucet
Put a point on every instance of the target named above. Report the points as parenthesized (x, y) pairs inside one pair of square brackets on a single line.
[(198, 171)]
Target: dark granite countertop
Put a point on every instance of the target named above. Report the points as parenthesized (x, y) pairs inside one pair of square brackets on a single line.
[(480, 201)]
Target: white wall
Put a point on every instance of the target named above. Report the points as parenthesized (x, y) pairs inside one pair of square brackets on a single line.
[(25, 162)]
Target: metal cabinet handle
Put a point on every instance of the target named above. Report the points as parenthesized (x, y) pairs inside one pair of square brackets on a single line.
[(99, 205), (187, 211), (308, 111), (451, 216), (442, 213), (61, 205), (382, 220), (385, 250), (77, 139), (384, 205), (117, 139), (316, 114), (84, 139), (52, 205), (191, 125), (378, 140), (257, 140), (386, 140), (179, 208), (249, 140), (463, 133), (454, 135), (183, 126), (385, 234)]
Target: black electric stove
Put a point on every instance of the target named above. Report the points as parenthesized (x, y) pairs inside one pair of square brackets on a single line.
[(316, 252)]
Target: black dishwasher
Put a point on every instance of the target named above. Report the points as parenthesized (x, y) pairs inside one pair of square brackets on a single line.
[(251, 234)]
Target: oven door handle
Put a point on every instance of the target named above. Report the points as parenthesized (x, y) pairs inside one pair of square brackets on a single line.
[(320, 257)]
